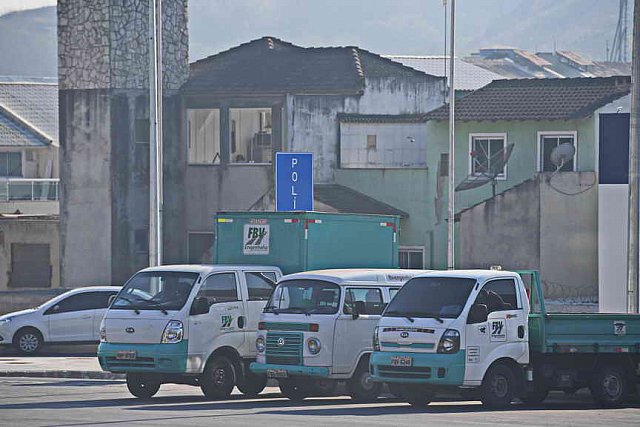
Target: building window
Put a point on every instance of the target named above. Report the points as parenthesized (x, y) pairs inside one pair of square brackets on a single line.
[(411, 257), (11, 164), (204, 136), (141, 241), (200, 248), (250, 135), (547, 142), (487, 154), (383, 145)]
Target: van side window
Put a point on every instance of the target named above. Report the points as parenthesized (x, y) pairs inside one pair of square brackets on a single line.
[(393, 292), (260, 285), (219, 288), (498, 295), (367, 300)]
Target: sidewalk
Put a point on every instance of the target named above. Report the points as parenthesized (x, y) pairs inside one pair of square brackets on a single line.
[(54, 367)]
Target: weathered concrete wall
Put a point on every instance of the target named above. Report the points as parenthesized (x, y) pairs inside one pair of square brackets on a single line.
[(29, 231), (503, 231)]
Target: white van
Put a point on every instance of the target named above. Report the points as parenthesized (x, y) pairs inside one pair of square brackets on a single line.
[(317, 329), (187, 324)]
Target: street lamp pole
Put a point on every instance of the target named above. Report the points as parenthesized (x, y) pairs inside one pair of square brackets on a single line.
[(155, 133), (451, 174)]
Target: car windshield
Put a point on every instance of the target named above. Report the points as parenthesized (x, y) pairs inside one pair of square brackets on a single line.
[(437, 297), (305, 296), (156, 290)]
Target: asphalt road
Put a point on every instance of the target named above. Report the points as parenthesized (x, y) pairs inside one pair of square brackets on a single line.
[(56, 402)]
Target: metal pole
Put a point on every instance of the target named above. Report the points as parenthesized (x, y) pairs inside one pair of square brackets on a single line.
[(634, 199), (452, 102), (155, 132)]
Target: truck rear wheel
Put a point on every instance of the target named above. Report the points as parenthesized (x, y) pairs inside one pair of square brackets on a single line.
[(142, 386), (295, 389), (361, 387), (218, 379), (252, 384), (498, 387), (609, 386)]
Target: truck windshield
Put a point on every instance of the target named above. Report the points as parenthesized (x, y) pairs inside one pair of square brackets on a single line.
[(304, 296), (156, 290), (437, 297)]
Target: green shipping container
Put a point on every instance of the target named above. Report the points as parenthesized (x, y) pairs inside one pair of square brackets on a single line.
[(301, 241)]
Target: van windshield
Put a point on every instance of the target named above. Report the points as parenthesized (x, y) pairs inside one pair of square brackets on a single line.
[(436, 297), (156, 290), (304, 296)]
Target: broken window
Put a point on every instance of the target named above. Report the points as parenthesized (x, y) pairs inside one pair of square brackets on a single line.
[(204, 136), (250, 135), (487, 155), (548, 141)]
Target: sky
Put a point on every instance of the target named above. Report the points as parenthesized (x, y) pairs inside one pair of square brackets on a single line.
[(12, 5)]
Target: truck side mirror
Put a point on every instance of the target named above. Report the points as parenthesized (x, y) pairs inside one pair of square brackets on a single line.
[(477, 314), (200, 306)]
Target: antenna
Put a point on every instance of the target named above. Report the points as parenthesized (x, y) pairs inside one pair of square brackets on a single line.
[(562, 154), (496, 164), (618, 52)]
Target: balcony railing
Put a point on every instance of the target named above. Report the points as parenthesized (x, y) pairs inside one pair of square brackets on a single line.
[(28, 189)]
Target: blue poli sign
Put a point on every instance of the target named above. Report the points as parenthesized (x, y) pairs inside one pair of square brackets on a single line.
[(294, 182)]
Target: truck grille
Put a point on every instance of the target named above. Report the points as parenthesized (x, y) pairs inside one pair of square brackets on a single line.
[(140, 362), (389, 371), (289, 353)]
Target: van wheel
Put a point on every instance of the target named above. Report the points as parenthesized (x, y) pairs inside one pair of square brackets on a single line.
[(252, 384), (609, 386), (498, 387), (142, 386), (28, 341), (218, 379), (295, 389), (417, 396), (361, 387)]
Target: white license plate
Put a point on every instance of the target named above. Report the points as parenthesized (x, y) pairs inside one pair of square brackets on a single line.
[(126, 355), (404, 361), (277, 373)]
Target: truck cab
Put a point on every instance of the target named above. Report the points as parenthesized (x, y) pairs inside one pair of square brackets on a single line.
[(454, 329), (187, 324), (316, 330)]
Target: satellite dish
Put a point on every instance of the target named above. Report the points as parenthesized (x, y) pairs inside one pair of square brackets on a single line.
[(497, 162), (562, 154)]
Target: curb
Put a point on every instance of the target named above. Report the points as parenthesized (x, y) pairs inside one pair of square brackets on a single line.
[(85, 375)]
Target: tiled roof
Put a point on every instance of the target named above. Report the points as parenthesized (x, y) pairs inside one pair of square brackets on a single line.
[(270, 65), (381, 118), (537, 99), (28, 114), (347, 200), (467, 76)]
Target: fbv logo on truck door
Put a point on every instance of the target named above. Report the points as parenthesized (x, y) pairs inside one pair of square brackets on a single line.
[(256, 239), (498, 331)]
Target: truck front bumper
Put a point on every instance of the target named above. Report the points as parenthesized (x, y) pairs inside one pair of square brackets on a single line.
[(161, 358), (291, 370), (426, 368)]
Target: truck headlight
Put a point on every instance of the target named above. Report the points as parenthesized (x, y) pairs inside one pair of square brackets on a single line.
[(314, 346), (450, 342), (103, 334), (260, 347), (172, 332), (376, 339)]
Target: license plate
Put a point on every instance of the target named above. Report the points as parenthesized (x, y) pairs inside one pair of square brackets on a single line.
[(404, 361), (126, 355), (277, 373)]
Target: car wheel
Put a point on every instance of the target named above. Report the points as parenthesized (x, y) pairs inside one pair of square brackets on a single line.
[(361, 387), (498, 387), (252, 384), (142, 386), (218, 379), (294, 389), (609, 386), (28, 341)]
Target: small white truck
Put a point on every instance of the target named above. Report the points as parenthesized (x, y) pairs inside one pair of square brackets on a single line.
[(316, 330), (187, 324)]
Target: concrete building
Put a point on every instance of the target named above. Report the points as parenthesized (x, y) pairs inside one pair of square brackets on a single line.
[(104, 134)]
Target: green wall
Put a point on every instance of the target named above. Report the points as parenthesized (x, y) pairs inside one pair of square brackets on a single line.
[(413, 190)]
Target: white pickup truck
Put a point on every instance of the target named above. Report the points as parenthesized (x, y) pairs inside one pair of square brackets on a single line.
[(187, 324), (316, 330)]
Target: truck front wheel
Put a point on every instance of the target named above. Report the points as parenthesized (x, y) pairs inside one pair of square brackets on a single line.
[(142, 386), (218, 379), (498, 387), (609, 386)]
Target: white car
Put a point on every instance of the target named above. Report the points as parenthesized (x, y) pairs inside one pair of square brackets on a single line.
[(71, 318)]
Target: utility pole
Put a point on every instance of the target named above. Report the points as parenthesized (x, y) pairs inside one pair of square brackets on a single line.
[(634, 199), (452, 103), (155, 132)]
